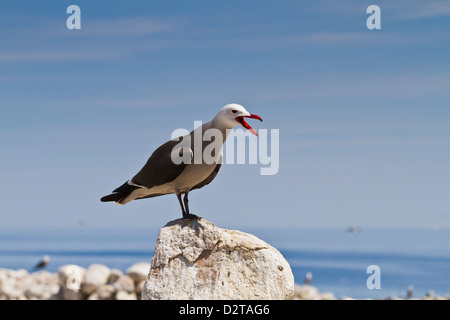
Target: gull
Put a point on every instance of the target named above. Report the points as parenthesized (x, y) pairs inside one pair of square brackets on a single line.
[(161, 175)]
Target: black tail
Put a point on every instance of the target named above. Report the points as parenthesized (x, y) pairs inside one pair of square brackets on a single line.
[(120, 193), (114, 196)]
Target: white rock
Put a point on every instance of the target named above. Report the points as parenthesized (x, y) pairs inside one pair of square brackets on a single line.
[(306, 292), (124, 295), (95, 276), (124, 283), (41, 285), (115, 274), (197, 260), (66, 293), (71, 276), (13, 284), (103, 292), (138, 271), (327, 296)]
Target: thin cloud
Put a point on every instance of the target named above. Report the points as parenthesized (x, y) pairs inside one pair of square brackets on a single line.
[(372, 142), (50, 28), (351, 128), (127, 37), (413, 10), (343, 39), (323, 87), (395, 10), (60, 55), (98, 40), (128, 27)]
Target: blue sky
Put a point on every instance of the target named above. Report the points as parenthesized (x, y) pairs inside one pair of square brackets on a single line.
[(364, 115)]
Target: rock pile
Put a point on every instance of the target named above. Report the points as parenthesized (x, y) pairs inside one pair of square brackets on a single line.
[(72, 282), (307, 292), (64, 284)]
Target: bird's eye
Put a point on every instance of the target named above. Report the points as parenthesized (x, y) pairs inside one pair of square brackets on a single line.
[(234, 111)]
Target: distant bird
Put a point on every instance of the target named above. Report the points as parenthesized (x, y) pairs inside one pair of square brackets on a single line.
[(308, 277), (43, 263), (354, 229), (410, 292), (161, 175)]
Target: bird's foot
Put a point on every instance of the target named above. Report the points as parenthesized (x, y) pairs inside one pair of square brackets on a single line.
[(190, 216)]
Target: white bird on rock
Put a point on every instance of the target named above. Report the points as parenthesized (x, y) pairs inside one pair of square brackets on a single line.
[(161, 175)]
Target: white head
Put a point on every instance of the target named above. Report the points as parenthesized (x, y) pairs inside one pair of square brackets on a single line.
[(233, 115)]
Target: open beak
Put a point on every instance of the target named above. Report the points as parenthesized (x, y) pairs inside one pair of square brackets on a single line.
[(242, 121)]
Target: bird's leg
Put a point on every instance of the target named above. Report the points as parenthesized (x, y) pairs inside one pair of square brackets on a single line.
[(181, 204), (186, 202), (188, 215)]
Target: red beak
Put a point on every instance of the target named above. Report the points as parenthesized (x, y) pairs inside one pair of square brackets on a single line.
[(242, 121)]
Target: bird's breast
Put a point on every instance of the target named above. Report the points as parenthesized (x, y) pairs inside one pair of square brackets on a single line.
[(193, 175)]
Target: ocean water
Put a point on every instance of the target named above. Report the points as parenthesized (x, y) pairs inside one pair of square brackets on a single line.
[(337, 259)]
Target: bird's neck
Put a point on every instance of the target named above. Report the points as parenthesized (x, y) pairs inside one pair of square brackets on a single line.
[(219, 125)]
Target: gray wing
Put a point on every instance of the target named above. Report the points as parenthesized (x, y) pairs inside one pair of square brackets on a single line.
[(160, 168), (209, 178)]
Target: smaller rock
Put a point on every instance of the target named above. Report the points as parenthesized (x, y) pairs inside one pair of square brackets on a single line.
[(71, 276), (115, 274), (69, 294), (41, 285), (327, 296), (138, 288), (124, 283), (13, 284), (138, 271), (124, 295), (306, 292), (103, 292), (95, 276)]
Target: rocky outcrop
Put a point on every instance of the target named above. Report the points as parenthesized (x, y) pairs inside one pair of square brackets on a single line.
[(194, 259)]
